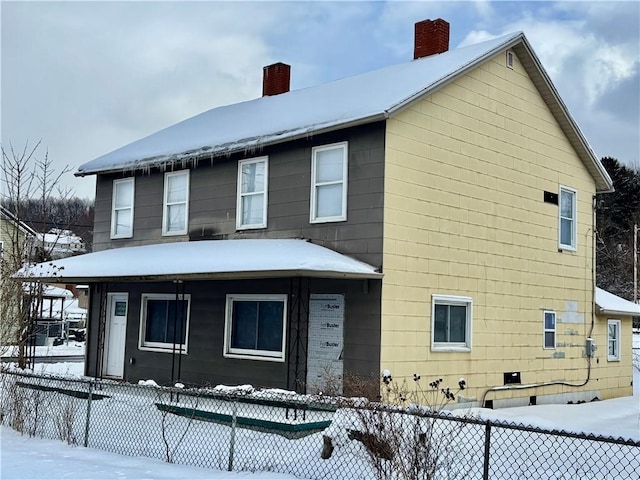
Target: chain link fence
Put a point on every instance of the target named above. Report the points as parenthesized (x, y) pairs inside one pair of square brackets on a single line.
[(309, 437)]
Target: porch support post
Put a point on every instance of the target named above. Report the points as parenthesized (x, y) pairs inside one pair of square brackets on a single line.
[(298, 333), (101, 292)]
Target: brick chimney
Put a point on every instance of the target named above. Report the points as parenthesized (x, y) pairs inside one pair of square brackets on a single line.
[(431, 37), (276, 79)]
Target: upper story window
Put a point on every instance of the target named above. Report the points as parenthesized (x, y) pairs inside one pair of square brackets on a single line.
[(164, 322), (251, 205), (122, 208), (451, 318), (567, 219), (549, 329), (255, 327), (329, 183), (613, 340), (175, 212)]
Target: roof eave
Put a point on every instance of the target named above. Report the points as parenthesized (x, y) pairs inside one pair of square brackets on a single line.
[(248, 275), (621, 313), (319, 130)]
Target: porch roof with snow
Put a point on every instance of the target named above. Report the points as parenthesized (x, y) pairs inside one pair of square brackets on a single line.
[(361, 99), (610, 304), (211, 259)]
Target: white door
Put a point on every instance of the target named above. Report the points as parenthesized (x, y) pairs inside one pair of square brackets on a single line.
[(115, 335), (326, 343)]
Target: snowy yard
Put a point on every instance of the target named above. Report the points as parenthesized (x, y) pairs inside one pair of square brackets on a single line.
[(128, 423)]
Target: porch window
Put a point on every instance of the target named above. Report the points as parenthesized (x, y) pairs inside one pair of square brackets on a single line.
[(175, 212), (613, 340), (164, 322), (567, 219), (549, 329), (329, 183), (255, 327), (451, 318), (122, 208), (251, 209)]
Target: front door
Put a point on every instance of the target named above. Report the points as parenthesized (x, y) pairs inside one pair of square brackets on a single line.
[(326, 343), (115, 335)]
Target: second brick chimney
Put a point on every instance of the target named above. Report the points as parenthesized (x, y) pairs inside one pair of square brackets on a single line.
[(276, 79), (431, 37)]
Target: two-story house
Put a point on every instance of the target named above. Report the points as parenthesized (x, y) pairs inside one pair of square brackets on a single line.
[(432, 217)]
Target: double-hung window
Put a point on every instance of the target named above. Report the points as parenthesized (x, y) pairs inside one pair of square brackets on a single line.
[(251, 207), (175, 212), (549, 329), (164, 322), (122, 208), (329, 183), (613, 340), (255, 327), (451, 318), (567, 219)]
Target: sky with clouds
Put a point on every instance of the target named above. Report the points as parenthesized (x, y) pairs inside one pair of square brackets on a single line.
[(86, 78)]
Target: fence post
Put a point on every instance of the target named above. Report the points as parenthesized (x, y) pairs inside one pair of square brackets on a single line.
[(487, 447), (88, 419), (232, 442)]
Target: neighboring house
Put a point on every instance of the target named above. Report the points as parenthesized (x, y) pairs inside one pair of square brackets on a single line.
[(58, 243), (16, 240), (433, 217), (15, 236)]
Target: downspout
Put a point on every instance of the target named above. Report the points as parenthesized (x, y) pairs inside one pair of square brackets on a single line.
[(593, 307)]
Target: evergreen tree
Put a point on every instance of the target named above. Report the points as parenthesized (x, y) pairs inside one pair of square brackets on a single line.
[(616, 215)]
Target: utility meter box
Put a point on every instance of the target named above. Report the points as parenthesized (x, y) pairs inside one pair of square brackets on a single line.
[(590, 347)]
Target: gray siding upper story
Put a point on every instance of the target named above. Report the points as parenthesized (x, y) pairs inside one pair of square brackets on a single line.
[(212, 202)]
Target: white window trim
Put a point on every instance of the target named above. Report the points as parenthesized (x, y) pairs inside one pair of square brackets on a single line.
[(254, 354), (159, 346), (545, 329), (240, 195), (345, 168), (616, 356), (574, 231), (452, 300), (165, 204), (113, 206)]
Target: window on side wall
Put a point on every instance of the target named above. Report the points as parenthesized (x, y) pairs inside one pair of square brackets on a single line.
[(175, 212), (329, 183), (251, 206), (451, 320), (164, 322), (567, 219), (122, 208), (255, 327), (613, 340), (549, 329)]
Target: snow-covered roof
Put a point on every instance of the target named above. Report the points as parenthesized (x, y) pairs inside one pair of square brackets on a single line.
[(212, 259), (610, 304), (360, 99)]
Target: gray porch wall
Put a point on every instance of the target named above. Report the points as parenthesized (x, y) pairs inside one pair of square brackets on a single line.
[(205, 364), (212, 206)]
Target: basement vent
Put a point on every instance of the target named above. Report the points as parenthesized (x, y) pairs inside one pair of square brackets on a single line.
[(511, 377), (550, 197), (510, 59)]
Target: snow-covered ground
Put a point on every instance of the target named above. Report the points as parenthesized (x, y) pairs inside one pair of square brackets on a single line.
[(66, 349), (28, 458)]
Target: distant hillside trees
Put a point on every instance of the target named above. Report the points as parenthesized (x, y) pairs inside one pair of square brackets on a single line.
[(616, 215)]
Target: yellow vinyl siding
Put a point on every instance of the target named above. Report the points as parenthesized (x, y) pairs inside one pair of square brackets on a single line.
[(465, 172)]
